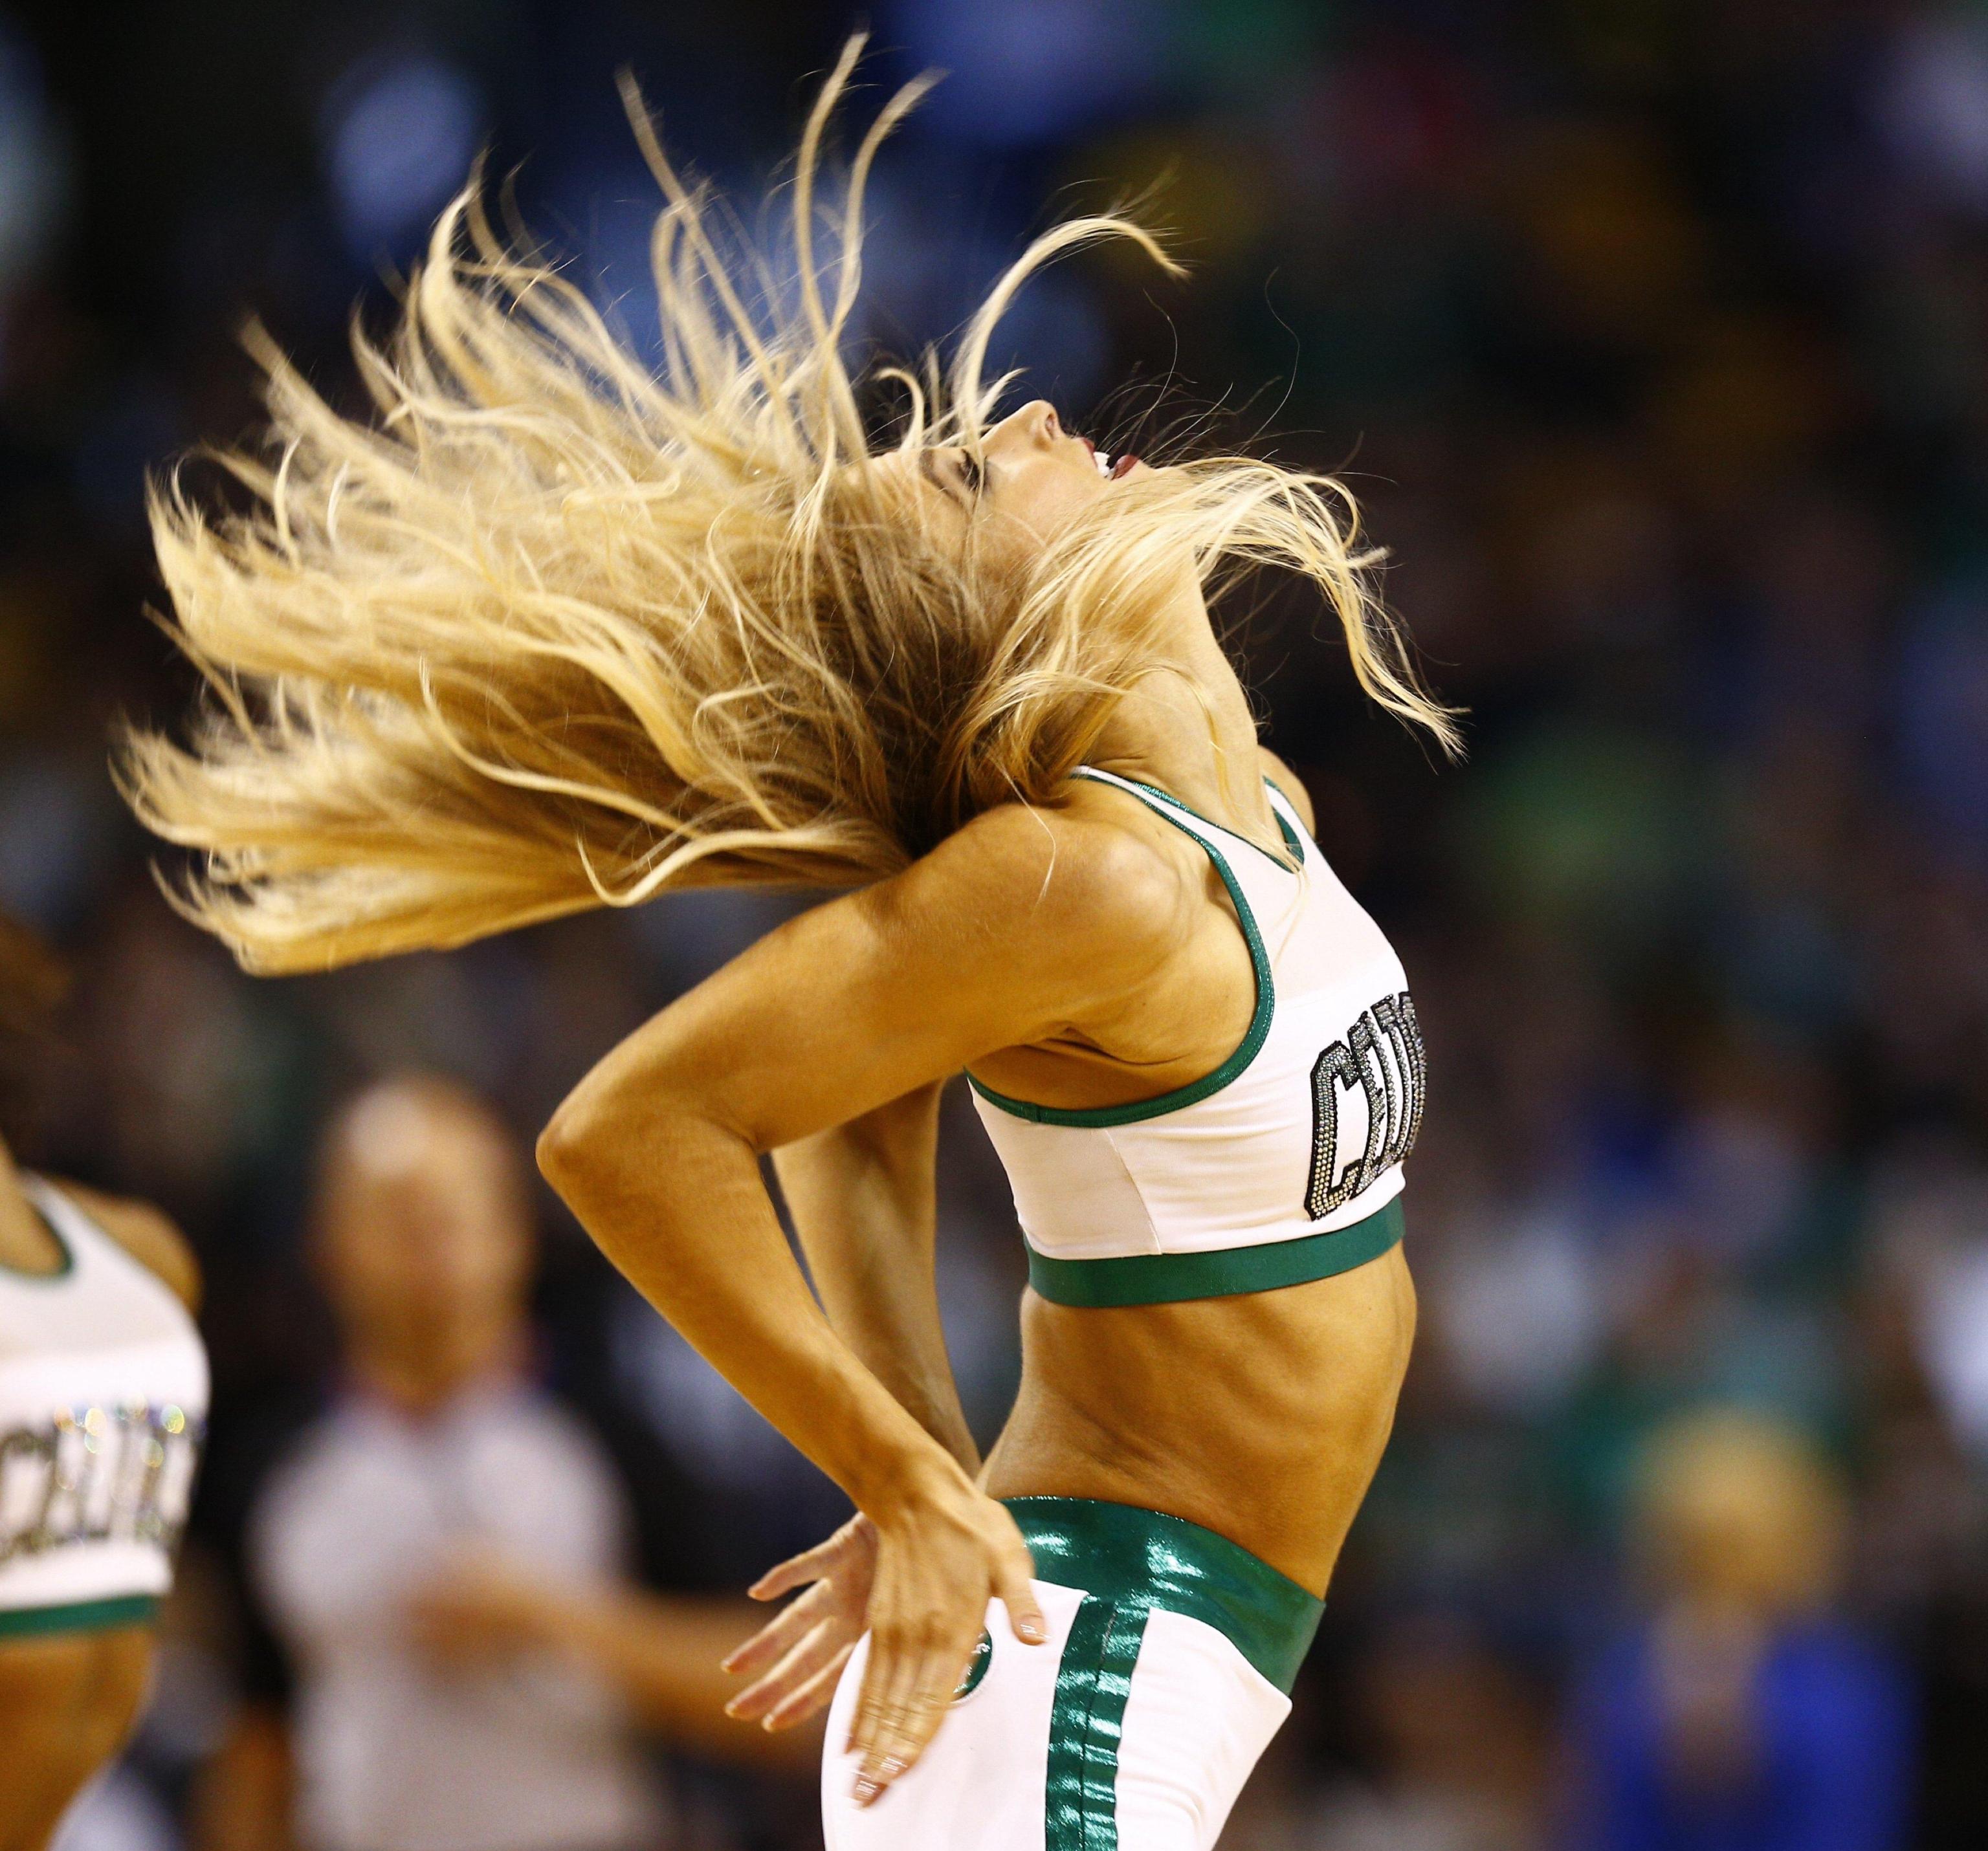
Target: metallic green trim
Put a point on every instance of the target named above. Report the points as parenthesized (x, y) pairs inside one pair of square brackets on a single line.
[(1141, 1559), (1195, 1090), (1284, 828), (1087, 1721), (1292, 839), (80, 1616), (1166, 1278), (976, 1666)]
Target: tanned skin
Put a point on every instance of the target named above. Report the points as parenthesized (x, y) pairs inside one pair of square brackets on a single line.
[(1080, 955)]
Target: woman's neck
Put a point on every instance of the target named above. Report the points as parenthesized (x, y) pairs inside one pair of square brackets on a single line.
[(26, 1243), (1186, 727)]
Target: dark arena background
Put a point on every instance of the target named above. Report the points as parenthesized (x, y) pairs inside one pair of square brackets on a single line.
[(1654, 337)]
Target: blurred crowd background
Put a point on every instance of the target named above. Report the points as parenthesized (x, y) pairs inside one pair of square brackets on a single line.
[(1654, 335)]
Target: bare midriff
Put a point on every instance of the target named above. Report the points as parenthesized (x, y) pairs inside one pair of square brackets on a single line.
[(1261, 1417), (66, 1702)]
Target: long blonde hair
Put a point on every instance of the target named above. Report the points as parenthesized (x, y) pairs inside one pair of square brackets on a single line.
[(558, 629)]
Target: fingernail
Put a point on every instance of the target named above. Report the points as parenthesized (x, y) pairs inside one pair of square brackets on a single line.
[(731, 1708), (1031, 1631), (867, 1789)]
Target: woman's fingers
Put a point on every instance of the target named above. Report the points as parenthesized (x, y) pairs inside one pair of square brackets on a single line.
[(778, 1635), (921, 1640), (915, 1681), (1014, 1581), (798, 1570), (883, 1727), (816, 1694), (821, 1643), (762, 1694)]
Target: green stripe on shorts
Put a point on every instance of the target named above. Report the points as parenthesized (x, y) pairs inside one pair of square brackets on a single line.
[(1086, 1721)]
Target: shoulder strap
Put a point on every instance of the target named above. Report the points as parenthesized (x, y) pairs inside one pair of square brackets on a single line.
[(1160, 803), (1289, 821), (1209, 834)]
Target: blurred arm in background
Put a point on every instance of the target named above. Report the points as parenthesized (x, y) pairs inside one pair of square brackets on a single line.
[(663, 1653)]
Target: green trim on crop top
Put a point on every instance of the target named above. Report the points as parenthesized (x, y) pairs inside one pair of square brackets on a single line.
[(1293, 840), (1157, 1278), (1194, 1091), (1169, 1278)]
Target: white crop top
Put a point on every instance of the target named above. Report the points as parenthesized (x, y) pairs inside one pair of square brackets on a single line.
[(103, 1390), (1283, 1165)]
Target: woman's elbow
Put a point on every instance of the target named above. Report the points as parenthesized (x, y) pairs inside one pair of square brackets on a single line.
[(569, 1148), (614, 1131)]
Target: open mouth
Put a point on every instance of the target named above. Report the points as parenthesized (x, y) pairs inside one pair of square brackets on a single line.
[(1112, 468)]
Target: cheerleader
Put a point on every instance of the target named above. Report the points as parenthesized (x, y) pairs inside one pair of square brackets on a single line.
[(102, 1400), (554, 631)]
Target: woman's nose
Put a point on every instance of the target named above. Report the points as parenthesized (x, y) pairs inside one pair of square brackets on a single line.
[(1035, 423)]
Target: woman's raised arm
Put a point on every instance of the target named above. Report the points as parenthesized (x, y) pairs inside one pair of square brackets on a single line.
[(1018, 924)]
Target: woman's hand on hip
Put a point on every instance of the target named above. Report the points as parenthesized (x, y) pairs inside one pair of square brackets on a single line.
[(796, 1656), (932, 1563)]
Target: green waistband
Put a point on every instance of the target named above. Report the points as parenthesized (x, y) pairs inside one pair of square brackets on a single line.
[(1142, 1560), (78, 1617), (1163, 1279)]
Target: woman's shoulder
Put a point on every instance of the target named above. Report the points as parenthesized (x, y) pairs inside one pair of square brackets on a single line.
[(145, 1234), (1088, 872)]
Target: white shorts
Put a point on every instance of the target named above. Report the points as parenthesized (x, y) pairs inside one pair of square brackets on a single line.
[(1170, 1656)]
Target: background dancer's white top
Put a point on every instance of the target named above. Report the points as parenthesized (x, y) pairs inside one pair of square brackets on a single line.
[(103, 1389), (1299, 1134)]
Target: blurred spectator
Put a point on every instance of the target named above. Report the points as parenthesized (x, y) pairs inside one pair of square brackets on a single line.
[(1741, 1716), (441, 1555)]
